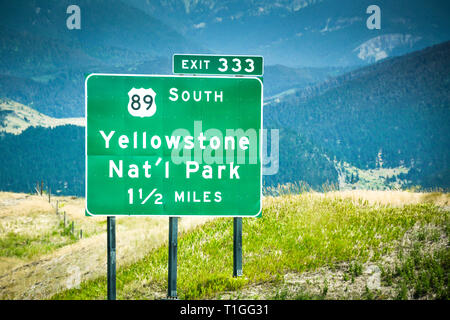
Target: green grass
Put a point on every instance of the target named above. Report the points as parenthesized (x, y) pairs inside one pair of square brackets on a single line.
[(295, 234), (355, 270), (420, 274), (25, 246)]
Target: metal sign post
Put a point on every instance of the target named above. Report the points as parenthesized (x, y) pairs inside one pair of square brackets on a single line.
[(173, 244), (237, 247), (111, 259), (231, 65)]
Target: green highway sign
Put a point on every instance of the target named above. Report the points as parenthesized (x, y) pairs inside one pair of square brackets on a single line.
[(173, 145), (218, 64)]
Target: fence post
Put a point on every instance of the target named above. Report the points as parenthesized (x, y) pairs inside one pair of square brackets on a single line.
[(57, 205), (64, 219)]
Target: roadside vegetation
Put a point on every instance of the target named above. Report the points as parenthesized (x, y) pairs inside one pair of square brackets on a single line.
[(307, 246), (27, 246), (39, 251), (30, 227)]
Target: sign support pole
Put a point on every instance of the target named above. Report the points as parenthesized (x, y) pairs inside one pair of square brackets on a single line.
[(111, 260), (173, 244), (237, 247)]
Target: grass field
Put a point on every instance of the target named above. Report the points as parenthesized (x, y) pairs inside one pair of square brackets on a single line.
[(354, 245), (39, 257)]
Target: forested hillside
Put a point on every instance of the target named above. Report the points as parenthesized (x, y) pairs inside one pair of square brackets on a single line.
[(35, 38), (279, 78), (301, 162), (319, 33), (43, 64), (394, 113), (55, 156), (61, 94)]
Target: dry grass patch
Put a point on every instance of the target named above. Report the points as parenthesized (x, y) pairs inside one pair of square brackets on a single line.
[(20, 204), (390, 198), (35, 254)]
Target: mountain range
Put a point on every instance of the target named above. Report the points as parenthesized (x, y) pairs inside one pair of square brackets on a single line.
[(391, 117), (43, 64), (393, 114), (311, 33), (36, 40), (350, 103)]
